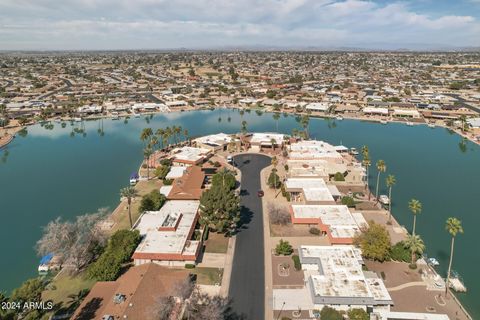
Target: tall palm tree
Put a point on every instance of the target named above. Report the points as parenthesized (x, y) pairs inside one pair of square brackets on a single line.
[(416, 207), (367, 163), (381, 167), (159, 133), (146, 134), (390, 181), (453, 226), (147, 153), (276, 117), (305, 121), (185, 134), (416, 245), (129, 193)]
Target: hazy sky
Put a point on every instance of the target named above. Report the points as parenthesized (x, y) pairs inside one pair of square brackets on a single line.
[(166, 24)]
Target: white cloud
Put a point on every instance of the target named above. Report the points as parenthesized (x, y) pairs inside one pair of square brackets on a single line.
[(116, 24)]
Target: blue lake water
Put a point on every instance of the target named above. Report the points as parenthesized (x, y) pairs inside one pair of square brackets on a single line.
[(49, 174)]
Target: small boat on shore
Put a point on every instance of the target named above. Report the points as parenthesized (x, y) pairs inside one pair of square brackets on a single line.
[(115, 116), (383, 199), (340, 118), (433, 262), (456, 282), (410, 124), (77, 119), (431, 125), (383, 121)]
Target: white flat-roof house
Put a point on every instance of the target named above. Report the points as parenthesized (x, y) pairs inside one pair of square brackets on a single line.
[(167, 234), (187, 156), (309, 191), (374, 110), (334, 278), (215, 142), (335, 221), (318, 106)]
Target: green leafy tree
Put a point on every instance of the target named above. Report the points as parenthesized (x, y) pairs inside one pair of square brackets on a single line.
[(152, 201), (415, 207), (283, 248), (220, 209), (328, 313), (374, 242), (357, 314), (119, 250), (453, 227), (129, 193), (30, 290), (225, 179), (274, 180)]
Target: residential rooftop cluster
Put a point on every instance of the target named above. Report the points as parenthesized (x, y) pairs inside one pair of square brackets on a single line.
[(436, 88)]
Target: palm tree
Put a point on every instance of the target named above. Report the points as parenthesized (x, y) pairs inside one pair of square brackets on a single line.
[(416, 207), (367, 163), (390, 181), (273, 142), (244, 126), (305, 120), (453, 226), (146, 134), (416, 245), (276, 116), (129, 193), (463, 120), (185, 134), (147, 152), (381, 167), (365, 151)]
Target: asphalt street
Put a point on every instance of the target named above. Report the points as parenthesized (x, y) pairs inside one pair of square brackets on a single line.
[(247, 286)]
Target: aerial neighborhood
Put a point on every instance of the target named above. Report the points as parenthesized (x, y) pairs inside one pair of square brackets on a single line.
[(241, 223)]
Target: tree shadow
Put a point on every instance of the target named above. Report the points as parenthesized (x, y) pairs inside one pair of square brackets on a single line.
[(244, 192), (246, 216), (89, 310)]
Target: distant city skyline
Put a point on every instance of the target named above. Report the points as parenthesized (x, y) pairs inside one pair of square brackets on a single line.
[(217, 24)]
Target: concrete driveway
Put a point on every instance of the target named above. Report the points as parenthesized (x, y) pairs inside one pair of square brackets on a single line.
[(247, 284)]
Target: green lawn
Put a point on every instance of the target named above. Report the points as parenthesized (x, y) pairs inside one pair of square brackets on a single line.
[(216, 243), (64, 285), (208, 276)]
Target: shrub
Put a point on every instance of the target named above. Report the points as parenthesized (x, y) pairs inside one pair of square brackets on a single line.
[(152, 201), (283, 248), (338, 177), (162, 171), (296, 262), (399, 252), (167, 182), (284, 192), (119, 249), (217, 164), (348, 201), (166, 162), (189, 266), (314, 231), (328, 313), (286, 167)]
